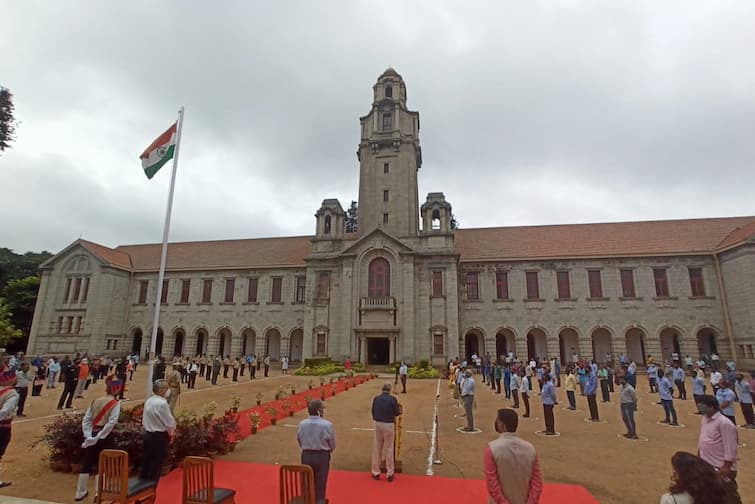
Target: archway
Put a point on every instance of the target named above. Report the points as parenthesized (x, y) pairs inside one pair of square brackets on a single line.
[(706, 341), (248, 341), (178, 345), (568, 344), (635, 341), (505, 342), (273, 344), (201, 348), (225, 342), (669, 343), (601, 344), (474, 342), (159, 341), (295, 346), (136, 341), (537, 344)]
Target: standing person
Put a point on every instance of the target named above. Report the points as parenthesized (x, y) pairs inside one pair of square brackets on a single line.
[(158, 373), (24, 378), (53, 369), (253, 367), (39, 380), (159, 431), (236, 365), (242, 365), (215, 369), (385, 409), (714, 358), (174, 383), (226, 366), (665, 389), (679, 381), (497, 377), (507, 380), (403, 373), (347, 365), (99, 420), (548, 398), (717, 444), (83, 371), (8, 404), (582, 377), (284, 365), (514, 386), (202, 365), (628, 396), (512, 469), (266, 361), (715, 380), (744, 392), (591, 388), (632, 373), (526, 390), (317, 441), (693, 481), (210, 364), (121, 370), (571, 388), (652, 378), (726, 398), (193, 371), (70, 375), (467, 397), (603, 380), (698, 386)]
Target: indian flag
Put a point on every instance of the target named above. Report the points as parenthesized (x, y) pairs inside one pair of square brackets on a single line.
[(159, 152)]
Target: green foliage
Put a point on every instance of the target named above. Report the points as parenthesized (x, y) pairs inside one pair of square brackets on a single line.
[(8, 331), (324, 366), (423, 373), (8, 122), (14, 266), (424, 364), (21, 298), (19, 284), (316, 361), (351, 218)]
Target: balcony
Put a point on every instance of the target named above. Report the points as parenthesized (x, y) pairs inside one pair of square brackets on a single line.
[(377, 313), (383, 303)]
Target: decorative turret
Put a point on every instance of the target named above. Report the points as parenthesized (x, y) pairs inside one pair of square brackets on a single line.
[(436, 214), (330, 220)]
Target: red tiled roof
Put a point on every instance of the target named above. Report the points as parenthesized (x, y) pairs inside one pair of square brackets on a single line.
[(737, 237), (113, 257)]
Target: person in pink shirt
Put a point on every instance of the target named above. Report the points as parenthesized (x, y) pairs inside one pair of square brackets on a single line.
[(512, 469), (718, 442)]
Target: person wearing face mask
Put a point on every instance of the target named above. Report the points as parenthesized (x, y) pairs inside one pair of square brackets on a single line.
[(718, 443), (317, 441), (159, 431)]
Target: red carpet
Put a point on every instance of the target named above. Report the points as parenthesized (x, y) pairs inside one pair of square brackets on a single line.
[(259, 483)]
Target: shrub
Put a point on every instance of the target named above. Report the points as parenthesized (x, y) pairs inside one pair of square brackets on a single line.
[(424, 364)]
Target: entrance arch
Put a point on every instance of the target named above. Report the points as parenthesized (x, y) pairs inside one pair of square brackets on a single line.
[(568, 344), (136, 341), (159, 341), (178, 346), (635, 341), (669, 343), (273, 344), (248, 341), (537, 344), (601, 344), (201, 348), (295, 345), (224, 347), (474, 342), (706, 341), (505, 342)]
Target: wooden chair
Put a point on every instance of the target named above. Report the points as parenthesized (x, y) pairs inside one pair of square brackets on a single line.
[(297, 484), (199, 483), (114, 485)]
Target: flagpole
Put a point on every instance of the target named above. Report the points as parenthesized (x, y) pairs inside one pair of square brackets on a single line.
[(163, 256)]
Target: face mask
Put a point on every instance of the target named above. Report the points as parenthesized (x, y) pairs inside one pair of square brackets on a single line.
[(702, 408)]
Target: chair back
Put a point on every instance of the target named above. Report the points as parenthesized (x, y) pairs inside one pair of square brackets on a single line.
[(297, 484), (112, 483), (198, 481)]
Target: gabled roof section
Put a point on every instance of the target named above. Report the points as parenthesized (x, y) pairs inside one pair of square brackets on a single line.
[(737, 237), (105, 255), (615, 239), (370, 236)]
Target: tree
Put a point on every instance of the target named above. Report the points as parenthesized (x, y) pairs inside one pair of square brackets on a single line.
[(21, 298), (454, 222), (8, 332), (14, 266), (351, 217), (7, 121)]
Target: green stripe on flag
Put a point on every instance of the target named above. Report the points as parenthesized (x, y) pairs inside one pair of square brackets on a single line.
[(151, 170)]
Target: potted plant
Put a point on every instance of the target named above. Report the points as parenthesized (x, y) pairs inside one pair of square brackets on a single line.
[(260, 395), (322, 381), (292, 388), (322, 393), (333, 390), (235, 403), (208, 410), (223, 431), (280, 394), (255, 420), (273, 412), (310, 384), (63, 437), (287, 411), (307, 399)]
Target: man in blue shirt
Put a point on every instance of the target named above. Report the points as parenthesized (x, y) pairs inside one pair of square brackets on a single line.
[(726, 398), (507, 381), (385, 409), (548, 397), (591, 387), (467, 397), (665, 389), (744, 392), (679, 381), (698, 387), (652, 378), (317, 440)]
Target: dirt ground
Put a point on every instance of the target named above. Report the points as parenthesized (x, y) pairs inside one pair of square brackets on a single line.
[(613, 469)]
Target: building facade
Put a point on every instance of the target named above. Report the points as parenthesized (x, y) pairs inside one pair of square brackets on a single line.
[(407, 285)]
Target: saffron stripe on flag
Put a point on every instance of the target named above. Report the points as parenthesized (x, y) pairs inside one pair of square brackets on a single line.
[(161, 140)]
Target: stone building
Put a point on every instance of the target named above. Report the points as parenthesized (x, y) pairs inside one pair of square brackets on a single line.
[(409, 286)]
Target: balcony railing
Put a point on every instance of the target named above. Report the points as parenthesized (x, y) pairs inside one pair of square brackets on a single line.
[(381, 303)]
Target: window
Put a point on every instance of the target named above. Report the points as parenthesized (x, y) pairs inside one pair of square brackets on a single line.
[(595, 284), (696, 282), (326, 225), (627, 283), (388, 91), (164, 293), (115, 344), (323, 286), (435, 220), (76, 325), (533, 288), (501, 285), (67, 293), (207, 290), (230, 286), (387, 122), (385, 218), (438, 344), (185, 290), (472, 286), (437, 284), (320, 344), (385, 195), (301, 289), (661, 282), (275, 295), (379, 281), (143, 287), (251, 293), (76, 290), (59, 325), (562, 285), (85, 289), (386, 167), (69, 325)]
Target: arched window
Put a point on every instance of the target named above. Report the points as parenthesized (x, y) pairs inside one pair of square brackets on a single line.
[(326, 227), (387, 122), (388, 92), (435, 223), (380, 278)]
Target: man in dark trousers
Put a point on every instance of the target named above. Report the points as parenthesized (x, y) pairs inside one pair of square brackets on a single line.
[(70, 373), (121, 370), (216, 370), (210, 363), (317, 441), (159, 431), (385, 409)]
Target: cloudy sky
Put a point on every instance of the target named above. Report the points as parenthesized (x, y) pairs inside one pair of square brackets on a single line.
[(532, 112)]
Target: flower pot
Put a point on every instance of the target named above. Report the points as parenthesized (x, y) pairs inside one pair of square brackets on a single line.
[(254, 429), (235, 410), (310, 387), (231, 447), (273, 421), (259, 402), (291, 413), (212, 453)]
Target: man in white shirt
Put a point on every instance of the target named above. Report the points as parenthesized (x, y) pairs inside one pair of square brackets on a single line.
[(403, 373), (715, 380), (526, 388), (159, 431), (467, 398)]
